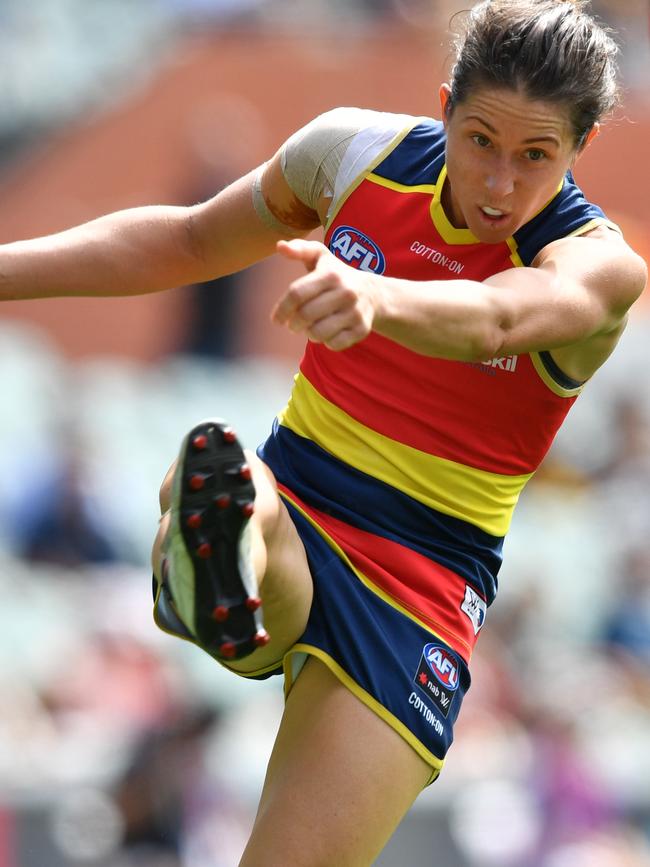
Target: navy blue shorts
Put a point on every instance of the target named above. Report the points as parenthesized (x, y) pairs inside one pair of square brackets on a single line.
[(407, 675)]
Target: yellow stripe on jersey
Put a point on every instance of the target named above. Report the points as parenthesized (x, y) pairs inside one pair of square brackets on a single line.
[(482, 498), (429, 189), (515, 258), (593, 224), (450, 234)]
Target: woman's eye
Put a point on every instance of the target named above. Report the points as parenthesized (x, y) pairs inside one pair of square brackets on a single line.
[(481, 140), (536, 156)]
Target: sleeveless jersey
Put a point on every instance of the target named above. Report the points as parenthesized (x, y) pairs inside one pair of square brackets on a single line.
[(411, 466)]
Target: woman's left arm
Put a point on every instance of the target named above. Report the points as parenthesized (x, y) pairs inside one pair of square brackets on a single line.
[(577, 289)]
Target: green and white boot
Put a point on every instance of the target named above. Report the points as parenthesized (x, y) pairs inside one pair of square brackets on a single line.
[(208, 592)]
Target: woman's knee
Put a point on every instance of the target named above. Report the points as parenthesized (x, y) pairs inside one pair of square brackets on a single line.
[(165, 494), (156, 551)]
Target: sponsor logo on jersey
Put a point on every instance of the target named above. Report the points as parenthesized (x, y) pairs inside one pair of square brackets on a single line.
[(474, 607), (438, 676), (357, 250), (436, 257), (508, 362)]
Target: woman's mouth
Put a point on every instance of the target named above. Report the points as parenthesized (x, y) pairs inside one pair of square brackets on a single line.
[(493, 216)]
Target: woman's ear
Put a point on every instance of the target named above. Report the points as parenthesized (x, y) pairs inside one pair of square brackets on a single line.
[(445, 94), (591, 135)]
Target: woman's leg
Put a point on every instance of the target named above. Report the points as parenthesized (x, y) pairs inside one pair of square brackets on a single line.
[(339, 780)]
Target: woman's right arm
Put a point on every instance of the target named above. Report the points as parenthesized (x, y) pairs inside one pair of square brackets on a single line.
[(148, 249)]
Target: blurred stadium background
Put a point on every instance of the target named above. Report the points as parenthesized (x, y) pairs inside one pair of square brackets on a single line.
[(120, 747)]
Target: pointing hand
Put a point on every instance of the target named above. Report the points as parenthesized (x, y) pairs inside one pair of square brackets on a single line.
[(332, 303)]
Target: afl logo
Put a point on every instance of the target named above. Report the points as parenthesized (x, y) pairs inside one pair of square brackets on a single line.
[(443, 665), (357, 250)]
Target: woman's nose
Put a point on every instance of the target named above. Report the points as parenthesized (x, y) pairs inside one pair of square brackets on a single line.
[(500, 182)]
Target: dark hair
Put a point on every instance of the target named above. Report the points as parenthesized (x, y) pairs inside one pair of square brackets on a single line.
[(553, 51)]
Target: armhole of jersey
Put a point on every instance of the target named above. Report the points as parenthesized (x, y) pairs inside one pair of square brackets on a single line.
[(547, 369), (553, 377), (365, 153)]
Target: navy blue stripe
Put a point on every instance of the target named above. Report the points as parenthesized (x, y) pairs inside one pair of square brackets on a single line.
[(558, 375), (337, 489), (418, 159)]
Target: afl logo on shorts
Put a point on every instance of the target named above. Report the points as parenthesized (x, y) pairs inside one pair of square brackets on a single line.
[(443, 665), (438, 676), (357, 250)]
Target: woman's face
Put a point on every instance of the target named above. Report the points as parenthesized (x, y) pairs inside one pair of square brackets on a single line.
[(506, 157)]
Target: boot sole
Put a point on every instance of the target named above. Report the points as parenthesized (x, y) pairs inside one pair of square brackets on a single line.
[(212, 502)]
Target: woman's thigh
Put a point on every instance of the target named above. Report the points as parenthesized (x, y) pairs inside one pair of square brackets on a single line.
[(338, 783)]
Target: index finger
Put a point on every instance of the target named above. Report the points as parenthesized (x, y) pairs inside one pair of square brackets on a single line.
[(301, 250), (301, 291)]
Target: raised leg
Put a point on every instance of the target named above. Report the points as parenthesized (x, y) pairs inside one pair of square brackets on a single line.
[(340, 779)]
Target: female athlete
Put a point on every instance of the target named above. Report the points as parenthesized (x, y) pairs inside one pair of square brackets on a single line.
[(464, 294)]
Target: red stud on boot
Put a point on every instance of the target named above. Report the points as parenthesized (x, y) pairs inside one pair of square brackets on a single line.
[(221, 613), (194, 521), (228, 649), (204, 551), (197, 482), (245, 473), (222, 502), (247, 509), (262, 638), (229, 435), (253, 603), (200, 442)]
